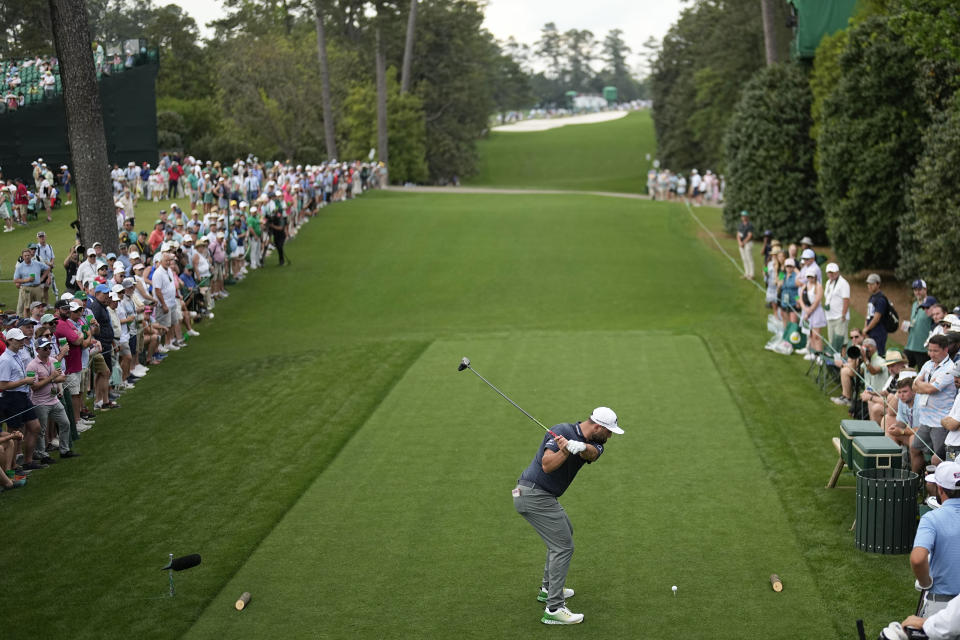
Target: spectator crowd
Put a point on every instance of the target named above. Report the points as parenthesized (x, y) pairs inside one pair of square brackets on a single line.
[(697, 189), (89, 325), (911, 393)]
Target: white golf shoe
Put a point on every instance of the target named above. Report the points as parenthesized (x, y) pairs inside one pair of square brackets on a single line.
[(561, 616), (542, 596)]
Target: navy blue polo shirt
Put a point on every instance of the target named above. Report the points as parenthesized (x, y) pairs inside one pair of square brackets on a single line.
[(557, 481)]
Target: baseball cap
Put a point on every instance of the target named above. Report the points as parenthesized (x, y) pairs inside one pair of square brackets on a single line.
[(929, 301), (111, 256), (950, 319), (947, 475), (91, 251), (36, 303), (806, 240), (906, 375), (27, 321), (41, 233), (75, 306), (44, 343), (62, 303), (833, 268), (133, 255), (114, 297), (47, 317), (919, 284), (14, 334), (745, 213), (66, 296), (808, 254), (873, 278), (605, 417), (118, 288), (129, 282), (138, 266), (102, 288), (789, 262)]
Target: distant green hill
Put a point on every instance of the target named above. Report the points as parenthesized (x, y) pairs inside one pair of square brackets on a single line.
[(608, 156)]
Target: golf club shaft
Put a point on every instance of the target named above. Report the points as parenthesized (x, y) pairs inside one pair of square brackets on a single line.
[(504, 396)]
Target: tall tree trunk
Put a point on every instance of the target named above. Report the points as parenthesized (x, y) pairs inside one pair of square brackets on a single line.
[(328, 129), (769, 31), (381, 65), (408, 47), (84, 112)]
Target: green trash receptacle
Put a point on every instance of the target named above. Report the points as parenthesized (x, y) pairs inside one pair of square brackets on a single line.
[(886, 510)]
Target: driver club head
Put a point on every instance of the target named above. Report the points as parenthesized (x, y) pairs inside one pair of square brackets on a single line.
[(464, 363)]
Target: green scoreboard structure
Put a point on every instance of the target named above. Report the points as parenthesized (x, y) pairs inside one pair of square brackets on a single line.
[(814, 19)]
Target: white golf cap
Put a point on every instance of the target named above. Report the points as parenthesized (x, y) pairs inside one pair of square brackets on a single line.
[(947, 474), (14, 334), (807, 254), (906, 375), (605, 417), (833, 268)]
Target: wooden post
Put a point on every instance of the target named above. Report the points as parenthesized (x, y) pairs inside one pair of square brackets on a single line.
[(242, 601), (776, 583)]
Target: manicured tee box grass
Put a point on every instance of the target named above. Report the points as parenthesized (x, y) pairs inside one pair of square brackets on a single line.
[(411, 531), (567, 302), (605, 156)]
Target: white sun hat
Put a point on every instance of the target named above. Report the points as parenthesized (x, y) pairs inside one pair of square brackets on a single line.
[(605, 417)]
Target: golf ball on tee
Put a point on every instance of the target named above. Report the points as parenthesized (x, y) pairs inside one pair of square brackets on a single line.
[(674, 587)]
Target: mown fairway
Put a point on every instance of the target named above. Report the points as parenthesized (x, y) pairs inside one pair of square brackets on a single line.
[(317, 446), (609, 156)]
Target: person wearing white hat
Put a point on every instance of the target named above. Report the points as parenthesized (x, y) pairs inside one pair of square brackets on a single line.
[(935, 558), (836, 304), (15, 399), (561, 454), (808, 264)]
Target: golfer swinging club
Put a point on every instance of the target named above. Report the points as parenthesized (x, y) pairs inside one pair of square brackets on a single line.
[(535, 497)]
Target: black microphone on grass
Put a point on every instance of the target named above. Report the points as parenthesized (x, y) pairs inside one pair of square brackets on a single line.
[(183, 562)]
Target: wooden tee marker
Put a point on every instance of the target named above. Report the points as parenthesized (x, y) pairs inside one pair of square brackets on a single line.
[(776, 583), (243, 601)]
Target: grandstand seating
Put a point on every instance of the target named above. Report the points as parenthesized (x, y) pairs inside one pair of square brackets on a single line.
[(30, 75)]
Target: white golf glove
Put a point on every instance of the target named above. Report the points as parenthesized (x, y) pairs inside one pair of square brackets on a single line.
[(894, 631), (916, 585), (575, 447)]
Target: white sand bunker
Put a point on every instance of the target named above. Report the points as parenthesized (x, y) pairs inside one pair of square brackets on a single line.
[(552, 123)]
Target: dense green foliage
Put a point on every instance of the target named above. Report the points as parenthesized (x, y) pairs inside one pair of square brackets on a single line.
[(824, 78), (704, 60), (936, 207), (770, 156), (869, 142)]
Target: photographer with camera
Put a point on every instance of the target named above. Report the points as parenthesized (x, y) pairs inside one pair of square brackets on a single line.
[(849, 369)]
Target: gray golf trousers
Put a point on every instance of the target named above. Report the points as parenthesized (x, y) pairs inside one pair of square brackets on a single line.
[(545, 514)]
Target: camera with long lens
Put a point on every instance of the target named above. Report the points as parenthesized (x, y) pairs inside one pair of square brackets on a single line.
[(853, 352)]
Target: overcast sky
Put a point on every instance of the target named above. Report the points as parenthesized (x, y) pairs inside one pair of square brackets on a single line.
[(523, 19)]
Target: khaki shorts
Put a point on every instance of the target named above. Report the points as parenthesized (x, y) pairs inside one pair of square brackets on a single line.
[(125, 348), (165, 319), (72, 383), (98, 364)]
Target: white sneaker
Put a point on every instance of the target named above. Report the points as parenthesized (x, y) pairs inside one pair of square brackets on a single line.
[(193, 314), (193, 333), (809, 356), (801, 352), (83, 426), (126, 385), (172, 347), (561, 616), (55, 443), (162, 349)]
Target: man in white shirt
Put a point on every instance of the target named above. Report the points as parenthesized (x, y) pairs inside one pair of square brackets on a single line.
[(88, 268), (165, 289), (836, 303)]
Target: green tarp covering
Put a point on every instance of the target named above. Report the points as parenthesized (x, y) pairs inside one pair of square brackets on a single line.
[(815, 19)]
